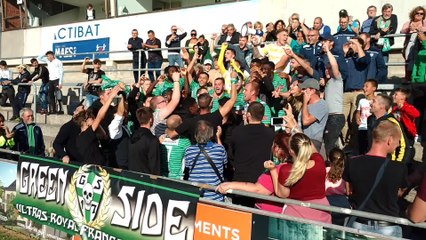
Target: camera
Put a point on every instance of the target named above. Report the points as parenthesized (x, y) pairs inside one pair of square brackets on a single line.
[(277, 121)]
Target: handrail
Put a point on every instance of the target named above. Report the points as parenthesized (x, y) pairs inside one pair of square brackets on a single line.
[(369, 215), (162, 49), (295, 219), (347, 211)]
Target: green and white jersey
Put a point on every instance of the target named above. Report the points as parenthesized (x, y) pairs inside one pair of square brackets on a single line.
[(267, 116), (172, 151)]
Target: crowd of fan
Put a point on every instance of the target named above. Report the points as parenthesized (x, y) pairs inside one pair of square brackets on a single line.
[(293, 100)]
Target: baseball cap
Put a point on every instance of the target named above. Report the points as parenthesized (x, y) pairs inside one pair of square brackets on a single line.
[(310, 83), (327, 36), (208, 61), (343, 13), (21, 66)]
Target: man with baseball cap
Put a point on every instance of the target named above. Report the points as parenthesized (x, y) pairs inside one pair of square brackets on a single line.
[(314, 114)]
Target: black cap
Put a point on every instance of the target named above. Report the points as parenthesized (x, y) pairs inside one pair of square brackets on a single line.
[(327, 36), (343, 13)]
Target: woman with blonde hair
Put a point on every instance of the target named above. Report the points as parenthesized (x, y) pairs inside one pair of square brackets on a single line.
[(304, 180)]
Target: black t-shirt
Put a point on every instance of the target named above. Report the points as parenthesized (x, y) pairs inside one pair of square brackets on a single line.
[(88, 144), (92, 75), (154, 55), (252, 147), (187, 128), (361, 173)]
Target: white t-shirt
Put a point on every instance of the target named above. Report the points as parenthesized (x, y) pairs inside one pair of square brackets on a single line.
[(364, 107)]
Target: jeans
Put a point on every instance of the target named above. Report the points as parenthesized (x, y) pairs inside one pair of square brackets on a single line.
[(90, 99), (42, 94), (394, 231), (53, 86), (7, 93), (175, 58), (20, 100), (154, 64), (333, 128)]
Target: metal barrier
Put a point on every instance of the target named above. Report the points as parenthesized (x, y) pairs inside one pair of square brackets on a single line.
[(35, 93), (401, 221)]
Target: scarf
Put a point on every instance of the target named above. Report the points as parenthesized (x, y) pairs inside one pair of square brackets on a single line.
[(31, 138)]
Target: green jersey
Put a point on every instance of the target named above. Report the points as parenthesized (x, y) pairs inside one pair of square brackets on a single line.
[(172, 152), (166, 85), (215, 105), (279, 82)]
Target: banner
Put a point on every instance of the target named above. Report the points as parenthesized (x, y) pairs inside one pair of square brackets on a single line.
[(67, 51), (220, 223), (100, 203)]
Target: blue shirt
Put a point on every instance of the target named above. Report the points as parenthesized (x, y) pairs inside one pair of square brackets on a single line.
[(377, 68), (365, 28), (312, 52), (357, 72)]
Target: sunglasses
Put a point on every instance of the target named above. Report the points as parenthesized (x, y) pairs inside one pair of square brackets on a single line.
[(420, 13), (174, 29), (193, 34)]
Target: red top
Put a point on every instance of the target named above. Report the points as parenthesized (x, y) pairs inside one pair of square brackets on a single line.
[(407, 115), (311, 185)]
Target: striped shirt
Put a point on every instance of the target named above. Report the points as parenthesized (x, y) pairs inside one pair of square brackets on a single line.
[(158, 126), (172, 151), (203, 171)]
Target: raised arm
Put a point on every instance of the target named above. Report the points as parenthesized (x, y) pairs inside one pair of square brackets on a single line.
[(221, 57), (302, 63), (102, 112), (332, 59), (231, 102), (83, 65), (280, 190), (174, 101)]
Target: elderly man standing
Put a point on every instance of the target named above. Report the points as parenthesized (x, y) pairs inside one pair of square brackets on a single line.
[(205, 160), (28, 136)]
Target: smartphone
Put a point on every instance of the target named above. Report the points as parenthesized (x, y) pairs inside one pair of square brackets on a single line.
[(277, 121)]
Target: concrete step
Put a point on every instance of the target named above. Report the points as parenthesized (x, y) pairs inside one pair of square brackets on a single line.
[(53, 119)]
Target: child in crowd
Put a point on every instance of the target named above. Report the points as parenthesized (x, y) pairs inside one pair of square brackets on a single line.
[(363, 112), (335, 186), (406, 114), (258, 26)]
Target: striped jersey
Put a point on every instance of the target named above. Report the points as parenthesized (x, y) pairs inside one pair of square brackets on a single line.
[(172, 151), (203, 171)]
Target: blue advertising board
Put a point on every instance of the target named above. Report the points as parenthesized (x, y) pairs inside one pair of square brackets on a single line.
[(67, 51)]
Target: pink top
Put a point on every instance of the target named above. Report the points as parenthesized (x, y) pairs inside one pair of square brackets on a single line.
[(266, 181), (406, 27), (337, 188)]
